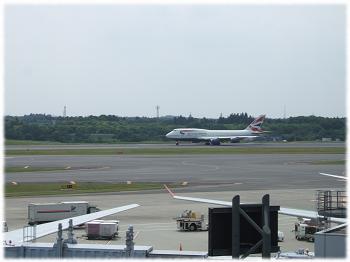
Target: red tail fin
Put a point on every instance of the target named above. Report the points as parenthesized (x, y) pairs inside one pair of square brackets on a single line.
[(255, 126)]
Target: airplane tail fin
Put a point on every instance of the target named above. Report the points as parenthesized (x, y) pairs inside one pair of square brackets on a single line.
[(168, 189), (255, 126)]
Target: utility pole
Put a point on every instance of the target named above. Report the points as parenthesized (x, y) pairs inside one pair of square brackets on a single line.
[(157, 107), (64, 111)]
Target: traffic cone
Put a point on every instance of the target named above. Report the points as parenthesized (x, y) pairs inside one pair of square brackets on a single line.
[(180, 248)]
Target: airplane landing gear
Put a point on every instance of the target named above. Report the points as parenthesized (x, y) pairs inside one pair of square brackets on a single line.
[(177, 143)]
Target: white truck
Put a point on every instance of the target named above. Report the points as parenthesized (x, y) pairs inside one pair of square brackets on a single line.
[(280, 236), (190, 221), (306, 229), (48, 212)]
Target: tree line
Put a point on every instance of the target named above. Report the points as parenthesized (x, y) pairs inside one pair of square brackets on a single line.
[(111, 128)]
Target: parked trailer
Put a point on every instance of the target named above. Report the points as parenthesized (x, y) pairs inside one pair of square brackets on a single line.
[(102, 229), (48, 212)]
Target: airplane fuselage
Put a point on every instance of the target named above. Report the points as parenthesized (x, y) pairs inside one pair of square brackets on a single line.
[(214, 137), (192, 134)]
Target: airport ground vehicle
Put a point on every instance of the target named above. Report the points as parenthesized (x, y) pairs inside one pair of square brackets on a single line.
[(305, 230), (301, 253), (280, 236), (190, 221), (48, 212)]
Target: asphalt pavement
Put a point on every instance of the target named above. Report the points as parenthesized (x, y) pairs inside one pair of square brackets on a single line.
[(234, 171)]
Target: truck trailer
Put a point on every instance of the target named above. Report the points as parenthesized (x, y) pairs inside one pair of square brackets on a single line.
[(102, 229), (48, 212)]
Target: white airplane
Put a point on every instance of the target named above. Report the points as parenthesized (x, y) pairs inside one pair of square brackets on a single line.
[(214, 137), (15, 237), (285, 211)]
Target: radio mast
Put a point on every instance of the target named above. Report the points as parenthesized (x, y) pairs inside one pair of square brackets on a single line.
[(157, 107)]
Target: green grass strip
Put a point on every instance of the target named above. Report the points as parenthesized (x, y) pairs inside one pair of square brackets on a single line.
[(328, 162), (181, 151), (16, 169), (12, 142), (30, 142), (37, 189)]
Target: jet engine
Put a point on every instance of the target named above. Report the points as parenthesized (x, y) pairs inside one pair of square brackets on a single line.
[(234, 140), (215, 142)]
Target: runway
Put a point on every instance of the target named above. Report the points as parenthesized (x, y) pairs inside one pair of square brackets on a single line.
[(172, 145), (235, 171)]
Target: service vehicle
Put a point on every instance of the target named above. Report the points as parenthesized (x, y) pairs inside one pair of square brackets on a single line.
[(102, 229), (305, 229), (47, 212), (280, 236), (301, 253), (190, 221)]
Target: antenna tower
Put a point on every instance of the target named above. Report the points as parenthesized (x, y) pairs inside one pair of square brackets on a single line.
[(64, 111), (157, 107)]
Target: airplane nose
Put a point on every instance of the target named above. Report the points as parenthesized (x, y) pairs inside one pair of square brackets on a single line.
[(167, 135)]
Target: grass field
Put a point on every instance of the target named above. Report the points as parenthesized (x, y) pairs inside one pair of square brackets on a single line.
[(17, 169), (180, 151), (11, 142), (328, 162), (29, 142), (36, 189)]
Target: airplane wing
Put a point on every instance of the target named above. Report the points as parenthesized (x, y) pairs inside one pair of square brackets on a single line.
[(307, 214), (285, 211), (341, 177), (16, 236), (202, 200)]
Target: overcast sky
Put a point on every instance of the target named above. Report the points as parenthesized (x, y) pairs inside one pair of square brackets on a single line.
[(202, 60)]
